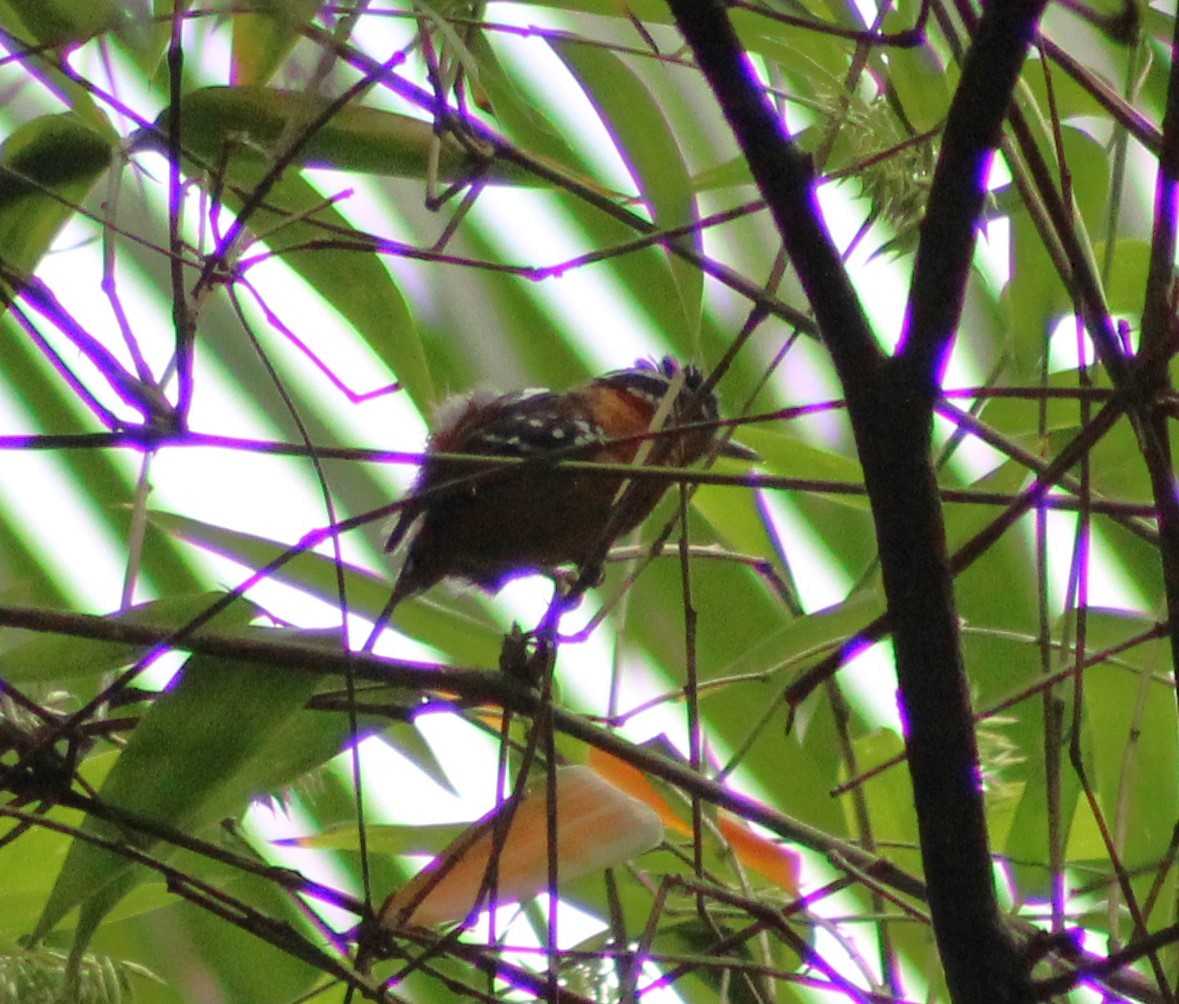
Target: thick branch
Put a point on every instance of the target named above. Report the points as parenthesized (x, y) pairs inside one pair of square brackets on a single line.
[(956, 197), (463, 685), (890, 406), (1159, 332)]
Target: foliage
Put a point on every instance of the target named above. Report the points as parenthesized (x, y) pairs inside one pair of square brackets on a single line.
[(245, 248)]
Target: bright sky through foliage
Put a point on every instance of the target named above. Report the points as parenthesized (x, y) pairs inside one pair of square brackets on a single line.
[(575, 128)]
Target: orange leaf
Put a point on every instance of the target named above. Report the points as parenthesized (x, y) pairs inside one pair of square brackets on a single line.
[(598, 826), (768, 859), (634, 782)]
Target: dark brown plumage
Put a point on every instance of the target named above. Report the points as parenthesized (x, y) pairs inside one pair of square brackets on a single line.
[(487, 525)]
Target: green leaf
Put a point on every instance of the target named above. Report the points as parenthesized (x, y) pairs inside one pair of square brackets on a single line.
[(352, 279), (888, 796), (47, 168), (649, 148), (1124, 289), (66, 22), (411, 744), (245, 124), (29, 861), (788, 456), (923, 85), (516, 113), (264, 37), (357, 284), (454, 631), (223, 732), (1134, 733)]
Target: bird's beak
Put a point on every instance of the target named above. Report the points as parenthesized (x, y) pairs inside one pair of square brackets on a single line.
[(735, 451)]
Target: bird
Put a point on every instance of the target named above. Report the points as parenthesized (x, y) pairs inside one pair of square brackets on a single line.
[(487, 525)]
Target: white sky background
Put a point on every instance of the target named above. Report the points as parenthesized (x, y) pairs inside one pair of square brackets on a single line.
[(191, 481)]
